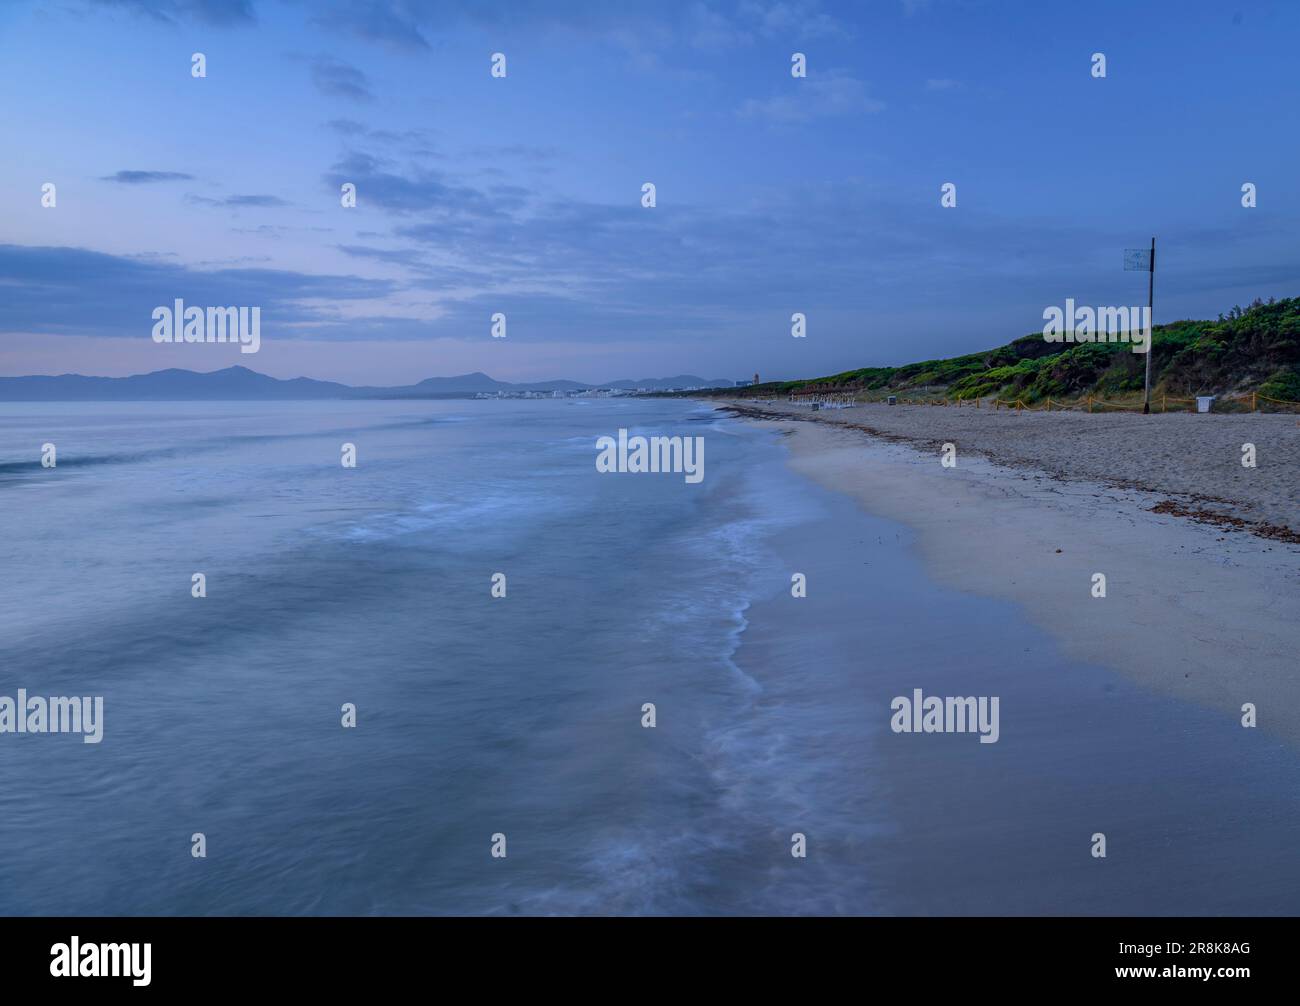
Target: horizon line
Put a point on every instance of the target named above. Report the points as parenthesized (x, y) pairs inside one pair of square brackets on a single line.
[(321, 380)]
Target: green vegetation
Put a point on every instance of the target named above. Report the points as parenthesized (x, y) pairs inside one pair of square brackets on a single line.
[(1251, 349)]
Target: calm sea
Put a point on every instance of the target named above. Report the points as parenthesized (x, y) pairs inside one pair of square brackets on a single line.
[(523, 715)]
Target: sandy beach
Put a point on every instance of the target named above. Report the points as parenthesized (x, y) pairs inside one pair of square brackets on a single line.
[(1037, 504), (1195, 459)]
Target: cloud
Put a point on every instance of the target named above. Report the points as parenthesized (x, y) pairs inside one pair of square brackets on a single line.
[(942, 84), (410, 257), (520, 151), (376, 22), (665, 24), (575, 271), (409, 24), (833, 93), (214, 12), (238, 201), (337, 79), (417, 141), (423, 190), (75, 291), (799, 19), (348, 127), (146, 177)]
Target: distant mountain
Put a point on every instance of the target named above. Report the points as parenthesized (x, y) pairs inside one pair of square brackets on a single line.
[(240, 383), (167, 385)]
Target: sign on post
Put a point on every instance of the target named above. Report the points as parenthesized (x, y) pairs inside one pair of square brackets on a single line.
[(1144, 260), (1137, 260)]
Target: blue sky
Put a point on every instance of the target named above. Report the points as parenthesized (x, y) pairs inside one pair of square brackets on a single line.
[(522, 195)]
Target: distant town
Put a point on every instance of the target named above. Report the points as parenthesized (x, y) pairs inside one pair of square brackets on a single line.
[(744, 382)]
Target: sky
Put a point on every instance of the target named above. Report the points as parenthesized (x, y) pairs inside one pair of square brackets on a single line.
[(522, 195)]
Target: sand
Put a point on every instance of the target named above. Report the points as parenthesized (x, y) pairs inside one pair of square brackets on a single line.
[(1194, 458), (1202, 612)]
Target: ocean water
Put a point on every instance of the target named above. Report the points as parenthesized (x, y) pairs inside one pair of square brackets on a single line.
[(522, 715), (328, 585)]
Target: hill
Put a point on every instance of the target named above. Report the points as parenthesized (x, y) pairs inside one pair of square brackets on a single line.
[(233, 383), (1251, 349), (240, 383)]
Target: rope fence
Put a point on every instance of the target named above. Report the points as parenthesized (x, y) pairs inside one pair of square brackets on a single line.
[(1275, 401), (826, 397), (1049, 404)]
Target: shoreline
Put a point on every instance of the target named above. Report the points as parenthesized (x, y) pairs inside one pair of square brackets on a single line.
[(1196, 460), (894, 821), (1191, 610)]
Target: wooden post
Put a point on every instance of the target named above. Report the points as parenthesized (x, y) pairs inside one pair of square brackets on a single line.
[(1254, 403), (1090, 403), (1151, 346)]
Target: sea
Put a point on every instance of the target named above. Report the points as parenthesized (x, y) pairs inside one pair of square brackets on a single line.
[(475, 675)]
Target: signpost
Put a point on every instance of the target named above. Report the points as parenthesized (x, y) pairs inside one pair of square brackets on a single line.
[(1141, 260)]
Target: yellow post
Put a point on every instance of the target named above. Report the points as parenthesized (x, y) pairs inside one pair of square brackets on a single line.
[(1090, 403), (1017, 406)]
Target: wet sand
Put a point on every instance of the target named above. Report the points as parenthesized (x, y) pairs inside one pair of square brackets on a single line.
[(1192, 610), (1199, 814)]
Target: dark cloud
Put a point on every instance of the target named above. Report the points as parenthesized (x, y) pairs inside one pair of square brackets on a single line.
[(580, 270), (418, 139), (419, 190), (146, 177), (337, 79), (238, 201), (348, 127), (214, 12), (867, 265), (376, 22), (73, 291)]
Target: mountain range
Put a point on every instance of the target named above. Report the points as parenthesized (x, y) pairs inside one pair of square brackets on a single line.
[(240, 383)]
